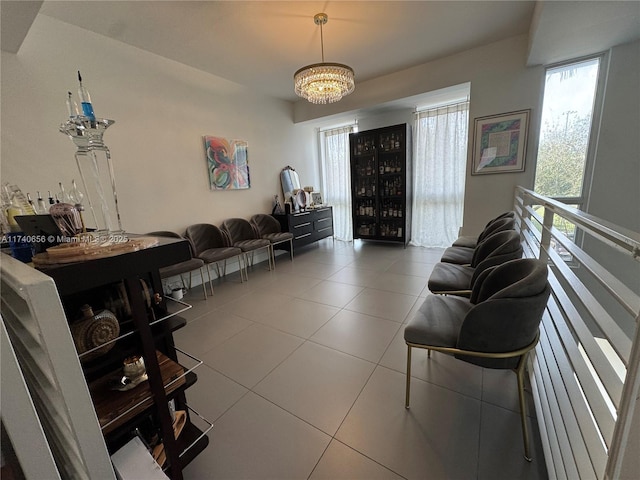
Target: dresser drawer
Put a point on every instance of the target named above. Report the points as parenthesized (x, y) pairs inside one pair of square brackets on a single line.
[(302, 229)]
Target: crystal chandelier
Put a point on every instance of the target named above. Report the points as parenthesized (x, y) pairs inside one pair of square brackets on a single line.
[(323, 82)]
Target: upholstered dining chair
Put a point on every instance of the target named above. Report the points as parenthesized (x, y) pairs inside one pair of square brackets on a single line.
[(212, 247), (464, 255), (471, 241), (269, 229), (452, 279), (243, 236), (188, 266), (496, 328)]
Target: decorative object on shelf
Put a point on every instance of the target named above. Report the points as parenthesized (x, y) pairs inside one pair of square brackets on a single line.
[(323, 82), (84, 248), (316, 199), (134, 373), (94, 330), (290, 182), (67, 217), (178, 424), (500, 143), (277, 206), (96, 172), (227, 163), (301, 200)]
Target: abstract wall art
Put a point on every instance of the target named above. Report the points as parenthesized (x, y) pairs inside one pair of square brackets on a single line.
[(227, 163)]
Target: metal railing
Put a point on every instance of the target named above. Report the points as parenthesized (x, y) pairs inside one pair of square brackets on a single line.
[(585, 373)]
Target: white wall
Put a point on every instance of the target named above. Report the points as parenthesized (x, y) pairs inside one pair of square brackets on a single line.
[(500, 82), (616, 179), (161, 108)]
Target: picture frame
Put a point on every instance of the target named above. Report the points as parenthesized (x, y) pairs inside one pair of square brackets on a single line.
[(316, 199), (500, 143), (227, 163)]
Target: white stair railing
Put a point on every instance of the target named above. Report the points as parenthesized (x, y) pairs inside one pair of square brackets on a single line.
[(585, 373)]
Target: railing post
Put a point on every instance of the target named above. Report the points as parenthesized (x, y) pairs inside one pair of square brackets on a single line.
[(545, 240)]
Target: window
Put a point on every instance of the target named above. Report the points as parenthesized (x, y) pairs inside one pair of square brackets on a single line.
[(440, 160), (567, 115), (336, 173)]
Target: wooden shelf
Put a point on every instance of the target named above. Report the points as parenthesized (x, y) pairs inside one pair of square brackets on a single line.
[(114, 408)]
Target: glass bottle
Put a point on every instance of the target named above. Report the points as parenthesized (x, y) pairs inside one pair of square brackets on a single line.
[(72, 107), (85, 98), (42, 207)]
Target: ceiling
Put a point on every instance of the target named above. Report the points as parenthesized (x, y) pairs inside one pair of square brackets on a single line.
[(236, 39)]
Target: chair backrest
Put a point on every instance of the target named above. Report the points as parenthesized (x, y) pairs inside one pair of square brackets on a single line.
[(265, 224), (238, 229), (496, 244), (205, 236), (169, 234), (499, 225), (509, 303), (509, 214)]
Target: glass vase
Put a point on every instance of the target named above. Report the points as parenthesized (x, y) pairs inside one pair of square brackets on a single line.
[(93, 158)]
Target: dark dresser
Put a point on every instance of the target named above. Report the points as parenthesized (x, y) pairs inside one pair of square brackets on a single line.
[(308, 226)]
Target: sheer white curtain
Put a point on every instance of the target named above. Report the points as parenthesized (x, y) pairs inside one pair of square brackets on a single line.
[(440, 159), (336, 174)]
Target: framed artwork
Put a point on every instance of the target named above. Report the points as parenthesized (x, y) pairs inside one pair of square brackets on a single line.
[(227, 163), (500, 143)]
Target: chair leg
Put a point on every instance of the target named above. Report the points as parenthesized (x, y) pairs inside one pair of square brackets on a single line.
[(523, 412), (408, 391), (209, 276)]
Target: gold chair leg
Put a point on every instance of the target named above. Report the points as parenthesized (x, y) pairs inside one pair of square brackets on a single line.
[(523, 412), (408, 390)]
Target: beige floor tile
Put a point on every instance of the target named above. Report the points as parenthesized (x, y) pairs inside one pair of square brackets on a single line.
[(352, 276), (357, 334), (208, 331), (256, 439), (393, 282), (256, 304), (306, 268), (251, 354), (341, 462), (373, 262), (332, 293), (330, 258), (292, 285), (443, 370), (317, 384), (410, 267), (378, 303), (213, 393), (299, 317), (502, 450), (436, 438), (500, 388)]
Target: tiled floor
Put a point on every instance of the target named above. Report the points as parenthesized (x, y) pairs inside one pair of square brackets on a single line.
[(304, 377)]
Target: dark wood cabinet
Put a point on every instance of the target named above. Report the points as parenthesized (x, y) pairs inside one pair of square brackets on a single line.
[(308, 226), (130, 284), (381, 183)]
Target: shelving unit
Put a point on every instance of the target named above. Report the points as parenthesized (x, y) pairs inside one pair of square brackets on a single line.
[(381, 183), (146, 328)]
